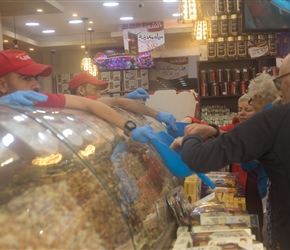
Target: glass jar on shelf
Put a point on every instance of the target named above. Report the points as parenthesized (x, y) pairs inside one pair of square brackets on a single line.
[(223, 26), (241, 47), (221, 48), (211, 49), (231, 48)]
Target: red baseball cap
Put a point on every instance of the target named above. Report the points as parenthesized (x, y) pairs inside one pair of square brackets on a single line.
[(20, 62), (82, 78)]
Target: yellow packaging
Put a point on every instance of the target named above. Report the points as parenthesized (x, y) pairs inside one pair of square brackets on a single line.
[(191, 188), (240, 203)]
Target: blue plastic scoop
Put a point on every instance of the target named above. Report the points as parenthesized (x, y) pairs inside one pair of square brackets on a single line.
[(172, 159), (180, 129)]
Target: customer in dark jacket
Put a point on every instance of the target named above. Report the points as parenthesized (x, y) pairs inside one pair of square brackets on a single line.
[(264, 137)]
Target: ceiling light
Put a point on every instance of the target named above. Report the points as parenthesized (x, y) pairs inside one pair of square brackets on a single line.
[(75, 21), (110, 4), (5, 41), (176, 14), (188, 11), (39, 10), (48, 31), (74, 14), (83, 46), (126, 18), (169, 1), (91, 22), (31, 49), (32, 24), (87, 64)]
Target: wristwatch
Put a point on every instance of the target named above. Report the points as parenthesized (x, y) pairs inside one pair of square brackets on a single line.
[(129, 126), (217, 130)]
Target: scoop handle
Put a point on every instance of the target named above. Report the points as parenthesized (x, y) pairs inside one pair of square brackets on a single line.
[(174, 163)]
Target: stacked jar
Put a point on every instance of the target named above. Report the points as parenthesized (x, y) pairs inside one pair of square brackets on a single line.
[(228, 81), (226, 27)]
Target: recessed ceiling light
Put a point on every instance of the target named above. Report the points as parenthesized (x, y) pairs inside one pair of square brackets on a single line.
[(5, 41), (83, 46), (125, 18), (48, 31), (32, 24), (176, 14), (74, 14), (75, 21), (110, 4), (31, 49), (91, 22), (39, 10)]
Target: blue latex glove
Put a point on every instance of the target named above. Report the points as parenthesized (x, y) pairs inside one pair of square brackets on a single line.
[(138, 93), (143, 134), (25, 97), (180, 129), (167, 118)]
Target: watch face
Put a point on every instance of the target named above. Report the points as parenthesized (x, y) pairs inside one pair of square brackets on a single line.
[(130, 125)]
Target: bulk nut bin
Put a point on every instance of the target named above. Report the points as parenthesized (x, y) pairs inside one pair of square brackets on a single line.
[(70, 180)]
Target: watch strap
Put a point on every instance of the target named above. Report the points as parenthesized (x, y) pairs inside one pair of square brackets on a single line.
[(128, 127), (217, 130)]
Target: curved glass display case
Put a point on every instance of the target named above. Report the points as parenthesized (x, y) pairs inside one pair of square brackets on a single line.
[(70, 180)]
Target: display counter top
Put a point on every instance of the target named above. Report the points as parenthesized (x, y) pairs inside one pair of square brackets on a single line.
[(70, 180)]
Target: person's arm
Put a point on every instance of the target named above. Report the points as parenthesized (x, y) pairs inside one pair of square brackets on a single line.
[(142, 134), (248, 141), (187, 119), (205, 131), (98, 108), (141, 109), (129, 105)]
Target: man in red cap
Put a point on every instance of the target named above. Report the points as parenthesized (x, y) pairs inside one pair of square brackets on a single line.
[(86, 85), (19, 76)]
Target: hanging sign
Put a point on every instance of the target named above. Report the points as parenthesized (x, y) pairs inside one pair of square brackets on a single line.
[(171, 67), (150, 36)]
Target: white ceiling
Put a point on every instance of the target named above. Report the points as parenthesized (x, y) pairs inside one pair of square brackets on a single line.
[(106, 24)]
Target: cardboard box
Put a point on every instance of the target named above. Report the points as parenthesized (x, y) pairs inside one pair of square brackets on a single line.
[(221, 227), (251, 220), (234, 238)]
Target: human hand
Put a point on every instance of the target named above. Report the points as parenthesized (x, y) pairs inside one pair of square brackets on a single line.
[(176, 145), (204, 131), (167, 118), (143, 134), (138, 93), (25, 97)]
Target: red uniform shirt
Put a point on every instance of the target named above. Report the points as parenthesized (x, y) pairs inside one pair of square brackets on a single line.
[(53, 101)]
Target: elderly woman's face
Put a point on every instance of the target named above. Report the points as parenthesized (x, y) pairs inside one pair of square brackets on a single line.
[(245, 111)]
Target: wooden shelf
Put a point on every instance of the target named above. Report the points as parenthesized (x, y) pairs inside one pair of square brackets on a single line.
[(219, 96)]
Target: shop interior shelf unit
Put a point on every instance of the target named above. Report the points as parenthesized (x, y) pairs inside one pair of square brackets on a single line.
[(230, 101)]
